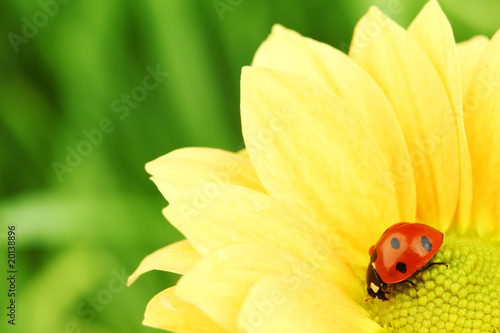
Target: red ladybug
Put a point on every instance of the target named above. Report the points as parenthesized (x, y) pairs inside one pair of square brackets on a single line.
[(402, 251)]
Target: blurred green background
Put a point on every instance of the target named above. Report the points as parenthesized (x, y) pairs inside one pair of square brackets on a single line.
[(79, 118)]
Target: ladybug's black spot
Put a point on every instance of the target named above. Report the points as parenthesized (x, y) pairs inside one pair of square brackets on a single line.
[(373, 257), (426, 243), (401, 267), (395, 243)]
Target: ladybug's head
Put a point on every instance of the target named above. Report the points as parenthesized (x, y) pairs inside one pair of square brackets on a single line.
[(376, 288)]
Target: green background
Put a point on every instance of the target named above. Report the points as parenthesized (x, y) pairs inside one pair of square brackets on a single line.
[(81, 227)]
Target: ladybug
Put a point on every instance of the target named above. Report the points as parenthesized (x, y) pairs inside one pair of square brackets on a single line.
[(402, 251)]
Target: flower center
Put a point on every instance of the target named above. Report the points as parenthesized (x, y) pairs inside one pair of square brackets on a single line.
[(463, 297)]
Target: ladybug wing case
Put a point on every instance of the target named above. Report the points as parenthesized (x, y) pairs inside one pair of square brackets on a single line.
[(404, 250)]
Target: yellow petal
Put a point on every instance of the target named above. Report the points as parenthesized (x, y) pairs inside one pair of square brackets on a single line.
[(433, 32), (287, 50), (243, 153), (312, 153), (187, 168), (219, 283), (289, 303), (469, 53), (168, 312), (236, 214), (405, 73), (178, 258), (482, 123)]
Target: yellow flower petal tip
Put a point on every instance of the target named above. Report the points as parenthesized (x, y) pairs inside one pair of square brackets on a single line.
[(182, 170), (337, 149), (177, 258)]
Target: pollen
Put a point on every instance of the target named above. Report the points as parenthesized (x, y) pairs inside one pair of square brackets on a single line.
[(463, 297)]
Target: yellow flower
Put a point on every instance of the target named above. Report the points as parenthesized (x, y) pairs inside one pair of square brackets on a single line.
[(404, 128)]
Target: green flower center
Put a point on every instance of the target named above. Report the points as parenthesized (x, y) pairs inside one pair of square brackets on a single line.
[(463, 297)]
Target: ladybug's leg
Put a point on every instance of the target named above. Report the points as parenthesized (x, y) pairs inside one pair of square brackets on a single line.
[(412, 284), (383, 291), (420, 270), (436, 263), (429, 265)]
